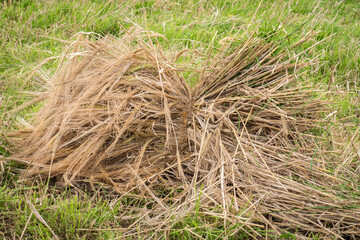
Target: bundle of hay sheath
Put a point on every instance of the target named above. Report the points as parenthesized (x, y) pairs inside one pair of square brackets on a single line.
[(238, 143)]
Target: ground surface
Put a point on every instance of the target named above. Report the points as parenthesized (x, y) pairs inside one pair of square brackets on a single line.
[(31, 31)]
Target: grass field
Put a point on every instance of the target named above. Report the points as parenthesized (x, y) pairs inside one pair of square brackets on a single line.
[(32, 31)]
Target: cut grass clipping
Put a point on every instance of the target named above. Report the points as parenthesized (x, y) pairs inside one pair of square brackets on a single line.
[(237, 145)]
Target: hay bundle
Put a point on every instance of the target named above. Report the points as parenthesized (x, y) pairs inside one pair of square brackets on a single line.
[(118, 111)]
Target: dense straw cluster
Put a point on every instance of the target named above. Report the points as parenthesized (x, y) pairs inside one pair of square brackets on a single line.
[(118, 111)]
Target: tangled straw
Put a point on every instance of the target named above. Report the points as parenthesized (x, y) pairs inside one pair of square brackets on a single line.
[(119, 111)]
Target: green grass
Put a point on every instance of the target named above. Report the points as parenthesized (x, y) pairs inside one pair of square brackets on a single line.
[(30, 32)]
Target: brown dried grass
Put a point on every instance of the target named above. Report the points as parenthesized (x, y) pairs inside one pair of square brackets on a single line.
[(118, 111)]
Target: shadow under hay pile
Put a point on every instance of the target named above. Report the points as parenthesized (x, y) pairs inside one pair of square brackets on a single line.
[(118, 111)]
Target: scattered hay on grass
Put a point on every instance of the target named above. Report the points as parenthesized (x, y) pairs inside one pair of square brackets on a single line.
[(120, 112)]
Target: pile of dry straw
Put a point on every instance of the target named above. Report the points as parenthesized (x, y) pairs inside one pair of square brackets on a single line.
[(238, 143)]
